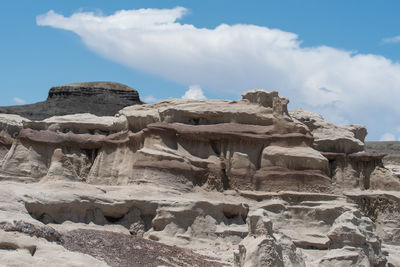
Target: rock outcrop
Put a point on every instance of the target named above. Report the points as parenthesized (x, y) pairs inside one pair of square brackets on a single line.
[(241, 144), (329, 137), (392, 151), (243, 183), (349, 165), (98, 98)]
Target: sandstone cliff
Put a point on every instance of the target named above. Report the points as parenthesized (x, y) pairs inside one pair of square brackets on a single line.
[(243, 183)]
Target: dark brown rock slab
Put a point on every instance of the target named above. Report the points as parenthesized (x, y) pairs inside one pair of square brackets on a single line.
[(87, 141)]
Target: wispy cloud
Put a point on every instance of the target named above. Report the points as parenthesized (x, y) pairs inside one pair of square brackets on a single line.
[(150, 99), (194, 92), (342, 85), (19, 101), (391, 40)]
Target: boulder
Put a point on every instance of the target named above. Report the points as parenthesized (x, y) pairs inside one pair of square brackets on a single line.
[(259, 248), (384, 179), (263, 247), (329, 137), (297, 158), (352, 232)]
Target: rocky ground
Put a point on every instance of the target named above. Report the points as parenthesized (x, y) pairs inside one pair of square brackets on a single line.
[(195, 183)]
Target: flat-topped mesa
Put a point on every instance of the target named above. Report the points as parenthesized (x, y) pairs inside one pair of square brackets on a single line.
[(98, 98), (94, 89)]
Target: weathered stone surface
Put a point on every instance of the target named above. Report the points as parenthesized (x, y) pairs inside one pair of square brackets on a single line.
[(353, 170), (194, 112), (62, 167), (226, 182), (384, 179), (18, 249), (80, 123), (31, 154), (392, 150), (384, 210), (259, 251), (297, 158), (210, 223), (214, 143), (98, 98), (226, 136), (267, 99), (11, 124), (395, 169), (329, 137)]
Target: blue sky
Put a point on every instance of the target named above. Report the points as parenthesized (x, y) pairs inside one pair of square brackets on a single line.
[(338, 58)]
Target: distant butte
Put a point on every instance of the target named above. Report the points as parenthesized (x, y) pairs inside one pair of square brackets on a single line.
[(98, 98)]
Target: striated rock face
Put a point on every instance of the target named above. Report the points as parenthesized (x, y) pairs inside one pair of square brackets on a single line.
[(241, 144), (329, 137), (98, 98), (242, 183), (349, 165)]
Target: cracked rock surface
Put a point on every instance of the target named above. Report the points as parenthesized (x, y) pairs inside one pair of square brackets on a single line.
[(193, 183)]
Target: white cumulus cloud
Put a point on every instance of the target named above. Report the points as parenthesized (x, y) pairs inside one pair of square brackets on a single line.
[(341, 85), (195, 93), (19, 101)]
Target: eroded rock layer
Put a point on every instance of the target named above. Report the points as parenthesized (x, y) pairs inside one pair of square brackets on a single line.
[(246, 144), (244, 183)]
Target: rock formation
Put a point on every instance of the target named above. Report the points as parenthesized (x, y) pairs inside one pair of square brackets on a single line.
[(98, 98), (244, 183), (392, 151)]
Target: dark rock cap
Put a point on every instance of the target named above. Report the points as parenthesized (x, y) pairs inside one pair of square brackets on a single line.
[(98, 98), (94, 85)]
